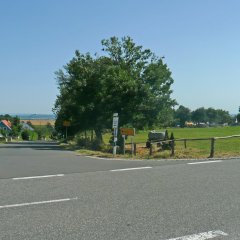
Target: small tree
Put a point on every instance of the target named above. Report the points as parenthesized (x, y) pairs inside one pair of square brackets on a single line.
[(3, 132), (199, 115), (183, 114), (30, 124), (25, 135), (16, 127), (238, 118), (39, 133)]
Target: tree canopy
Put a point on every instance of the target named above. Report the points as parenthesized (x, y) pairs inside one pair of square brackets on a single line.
[(126, 79), (182, 115)]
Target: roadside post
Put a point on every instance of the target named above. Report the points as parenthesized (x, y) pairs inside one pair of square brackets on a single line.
[(135, 149), (66, 124), (132, 147), (127, 132), (115, 131), (124, 142), (212, 148)]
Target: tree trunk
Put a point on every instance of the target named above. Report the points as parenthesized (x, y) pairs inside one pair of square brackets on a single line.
[(85, 135), (91, 135), (99, 136)]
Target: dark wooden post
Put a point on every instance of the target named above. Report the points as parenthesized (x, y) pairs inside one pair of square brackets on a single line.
[(150, 150), (212, 148), (124, 142), (135, 149), (185, 143), (173, 148)]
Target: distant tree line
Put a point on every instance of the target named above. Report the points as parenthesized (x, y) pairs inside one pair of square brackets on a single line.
[(202, 115), (6, 117)]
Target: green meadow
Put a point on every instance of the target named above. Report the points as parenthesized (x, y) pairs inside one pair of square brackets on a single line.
[(195, 149)]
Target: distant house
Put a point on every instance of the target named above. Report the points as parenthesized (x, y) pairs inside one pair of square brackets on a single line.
[(25, 126), (190, 124), (6, 125)]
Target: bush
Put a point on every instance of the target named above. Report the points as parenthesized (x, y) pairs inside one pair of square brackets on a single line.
[(83, 142), (25, 135), (88, 144), (96, 145)]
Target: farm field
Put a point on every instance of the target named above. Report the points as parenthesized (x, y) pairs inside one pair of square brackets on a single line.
[(40, 122), (195, 149)]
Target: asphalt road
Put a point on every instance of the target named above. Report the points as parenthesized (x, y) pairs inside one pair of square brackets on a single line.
[(85, 199)]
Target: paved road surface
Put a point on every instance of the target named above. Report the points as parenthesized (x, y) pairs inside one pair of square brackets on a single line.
[(85, 199), (41, 158)]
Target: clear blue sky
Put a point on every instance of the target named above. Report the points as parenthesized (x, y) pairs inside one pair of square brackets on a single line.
[(200, 40)]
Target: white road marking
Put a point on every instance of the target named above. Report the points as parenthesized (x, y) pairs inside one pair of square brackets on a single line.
[(34, 177), (202, 236), (111, 159), (37, 203), (216, 161), (129, 169)]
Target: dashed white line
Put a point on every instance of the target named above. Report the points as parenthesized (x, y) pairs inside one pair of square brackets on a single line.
[(129, 169), (37, 203), (216, 161), (202, 236), (36, 177)]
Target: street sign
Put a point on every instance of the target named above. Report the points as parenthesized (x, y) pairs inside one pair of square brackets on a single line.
[(115, 133), (115, 120), (66, 123), (127, 131)]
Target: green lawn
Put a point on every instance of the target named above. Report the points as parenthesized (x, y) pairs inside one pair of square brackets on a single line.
[(195, 149), (141, 136)]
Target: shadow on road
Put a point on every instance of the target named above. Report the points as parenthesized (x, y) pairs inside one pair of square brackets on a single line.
[(35, 145)]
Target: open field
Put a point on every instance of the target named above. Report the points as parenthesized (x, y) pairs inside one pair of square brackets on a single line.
[(141, 136), (40, 122)]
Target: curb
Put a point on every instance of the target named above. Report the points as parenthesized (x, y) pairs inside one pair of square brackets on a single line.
[(163, 159)]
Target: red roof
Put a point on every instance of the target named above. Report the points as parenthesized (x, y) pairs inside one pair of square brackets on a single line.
[(7, 123)]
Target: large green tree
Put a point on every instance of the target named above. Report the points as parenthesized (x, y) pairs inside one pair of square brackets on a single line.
[(127, 79)]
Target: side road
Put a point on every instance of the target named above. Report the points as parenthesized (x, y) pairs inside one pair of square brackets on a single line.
[(47, 158)]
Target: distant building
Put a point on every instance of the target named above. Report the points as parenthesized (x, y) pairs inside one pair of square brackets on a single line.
[(6, 125), (190, 124), (25, 126)]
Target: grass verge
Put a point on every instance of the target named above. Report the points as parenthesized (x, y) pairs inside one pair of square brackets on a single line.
[(194, 150)]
